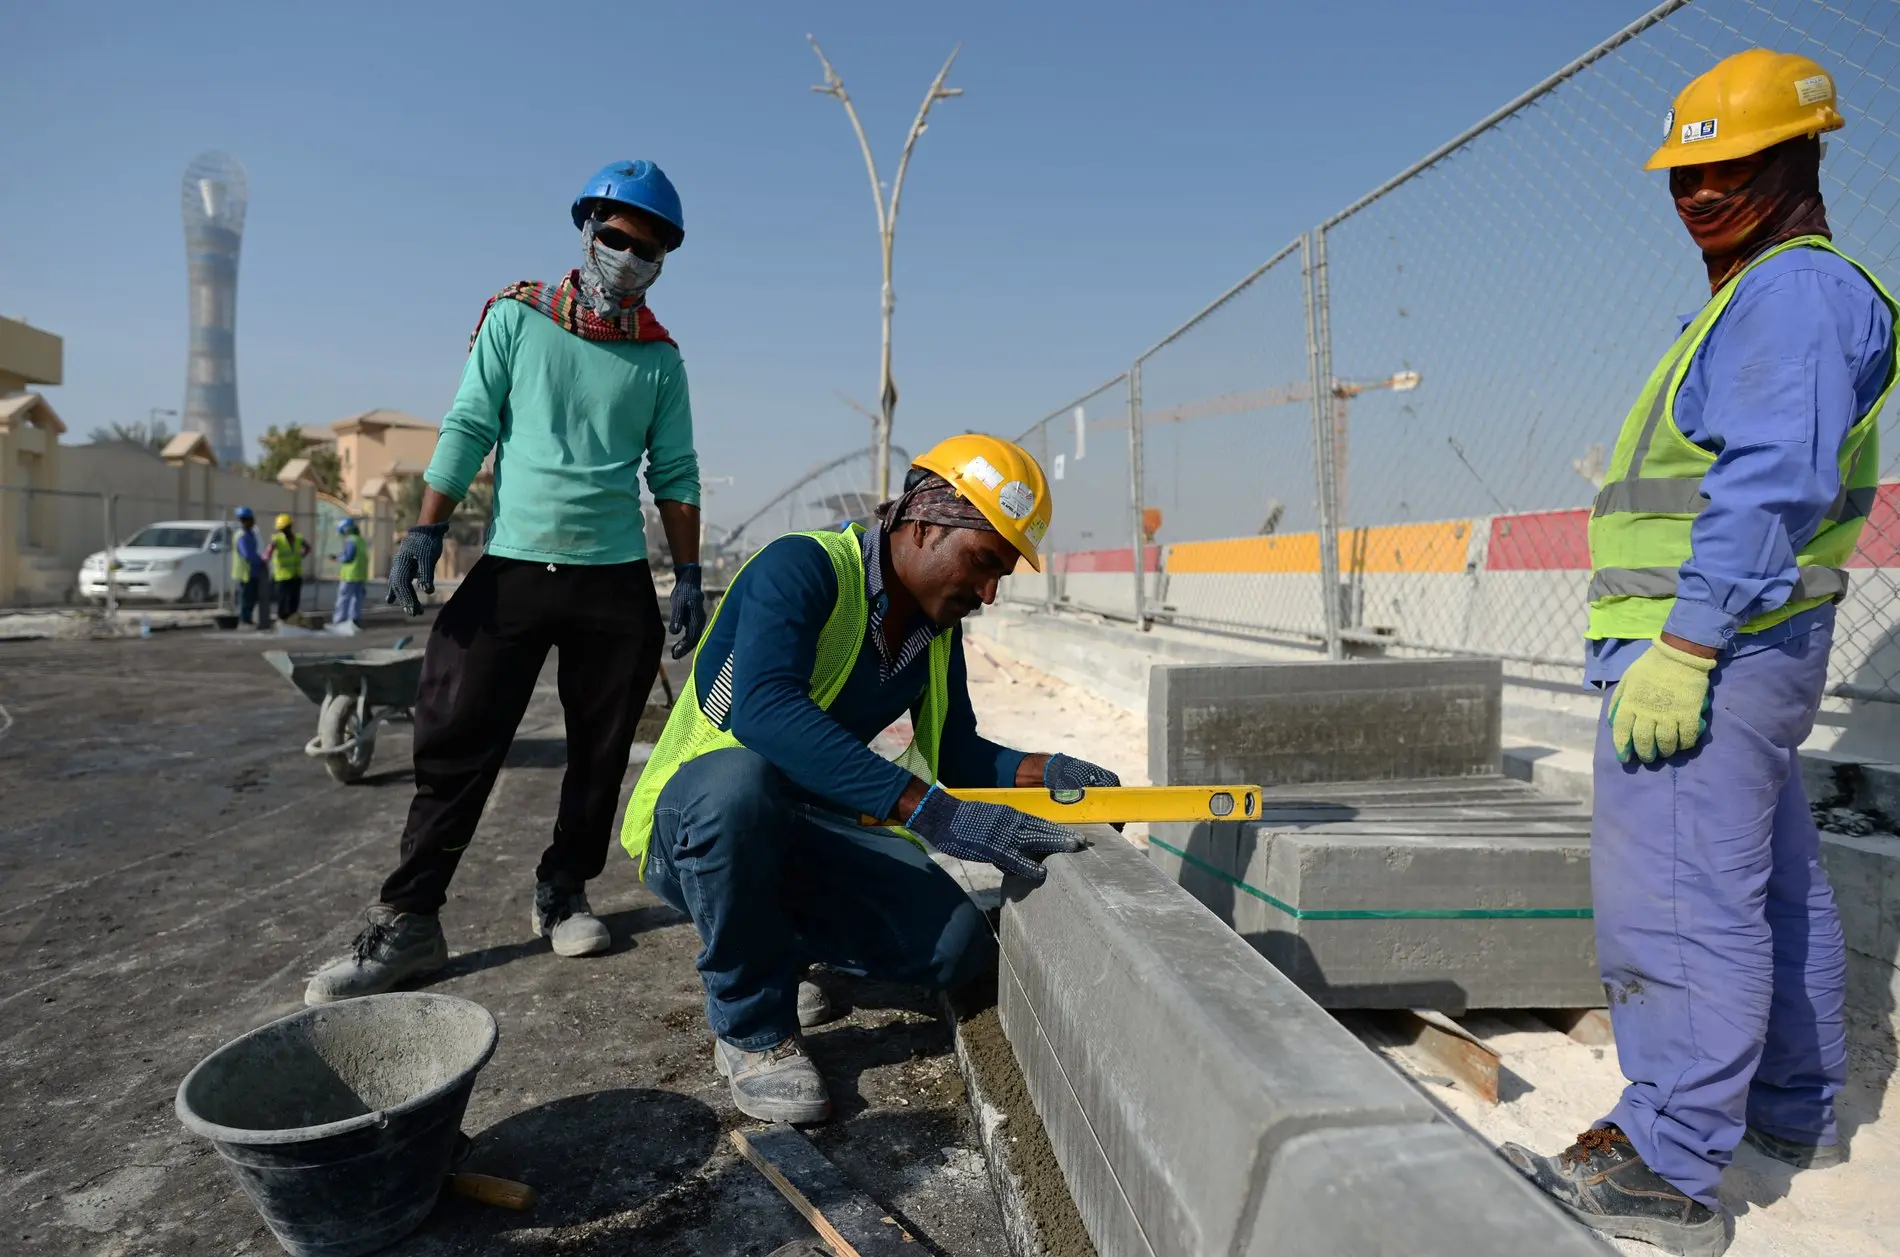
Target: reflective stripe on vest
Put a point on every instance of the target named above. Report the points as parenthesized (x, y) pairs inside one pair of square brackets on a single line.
[(690, 734), (286, 561), (356, 570), (1640, 526)]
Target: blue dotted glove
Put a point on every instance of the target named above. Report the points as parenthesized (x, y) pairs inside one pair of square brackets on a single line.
[(414, 566), (1013, 841), (689, 609), (1063, 772)]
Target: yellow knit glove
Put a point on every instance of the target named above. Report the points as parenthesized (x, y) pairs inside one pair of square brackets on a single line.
[(1661, 705)]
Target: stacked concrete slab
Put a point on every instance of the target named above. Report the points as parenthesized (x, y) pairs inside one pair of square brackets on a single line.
[(1199, 1103), (1393, 866)]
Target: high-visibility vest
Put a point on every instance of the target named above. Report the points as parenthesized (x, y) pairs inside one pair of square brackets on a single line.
[(689, 734), (240, 566), (286, 560), (1640, 526), (355, 570)]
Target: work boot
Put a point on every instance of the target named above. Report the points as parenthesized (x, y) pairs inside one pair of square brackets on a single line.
[(1604, 1184), (779, 1084), (563, 918), (392, 949), (814, 1006), (1801, 1156)]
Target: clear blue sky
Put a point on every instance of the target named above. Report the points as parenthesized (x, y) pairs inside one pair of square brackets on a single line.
[(1110, 167)]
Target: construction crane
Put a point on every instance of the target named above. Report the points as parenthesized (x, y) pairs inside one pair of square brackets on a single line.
[(1264, 398)]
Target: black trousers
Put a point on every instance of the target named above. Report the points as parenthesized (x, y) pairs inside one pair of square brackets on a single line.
[(478, 673), (289, 597)]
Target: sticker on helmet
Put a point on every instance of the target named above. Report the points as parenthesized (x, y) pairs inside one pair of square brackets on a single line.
[(1703, 130), (984, 472), (1036, 530), (1669, 121), (1016, 499), (1814, 89)]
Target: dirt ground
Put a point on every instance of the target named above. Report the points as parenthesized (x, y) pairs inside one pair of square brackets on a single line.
[(172, 867)]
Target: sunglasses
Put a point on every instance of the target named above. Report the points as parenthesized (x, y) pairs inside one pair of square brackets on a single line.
[(620, 242)]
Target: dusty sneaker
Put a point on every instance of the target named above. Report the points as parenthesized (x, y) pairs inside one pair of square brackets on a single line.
[(393, 948), (1787, 1151), (1604, 1184), (563, 918), (814, 1006), (779, 1084)]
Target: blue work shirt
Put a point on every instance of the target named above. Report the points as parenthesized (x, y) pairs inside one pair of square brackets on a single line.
[(349, 550), (1802, 352), (248, 551), (753, 676)]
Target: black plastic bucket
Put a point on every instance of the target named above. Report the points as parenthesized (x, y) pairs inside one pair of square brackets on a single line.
[(339, 1121)]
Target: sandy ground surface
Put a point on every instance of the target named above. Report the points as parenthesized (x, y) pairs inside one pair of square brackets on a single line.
[(1552, 1087), (172, 866)]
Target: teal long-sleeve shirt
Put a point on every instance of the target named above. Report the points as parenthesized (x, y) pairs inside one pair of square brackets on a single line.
[(570, 421)]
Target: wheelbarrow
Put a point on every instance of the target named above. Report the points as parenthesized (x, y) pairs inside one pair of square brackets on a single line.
[(355, 691)]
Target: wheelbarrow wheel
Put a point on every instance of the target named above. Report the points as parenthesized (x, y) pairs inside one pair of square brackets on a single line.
[(336, 725)]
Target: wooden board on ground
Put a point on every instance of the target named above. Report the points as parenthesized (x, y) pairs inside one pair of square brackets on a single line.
[(849, 1221)]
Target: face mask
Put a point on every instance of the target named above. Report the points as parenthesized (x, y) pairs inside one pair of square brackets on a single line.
[(613, 282)]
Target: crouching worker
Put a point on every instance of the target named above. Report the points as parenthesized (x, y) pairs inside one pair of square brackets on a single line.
[(746, 818)]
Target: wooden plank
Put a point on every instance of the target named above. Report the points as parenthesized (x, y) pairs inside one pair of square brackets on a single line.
[(1589, 1026), (1467, 1059), (849, 1221)]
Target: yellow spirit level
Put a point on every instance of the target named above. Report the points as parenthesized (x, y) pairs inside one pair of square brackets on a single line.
[(1121, 805)]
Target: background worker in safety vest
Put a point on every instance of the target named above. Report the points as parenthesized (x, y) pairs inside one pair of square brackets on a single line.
[(286, 555), (747, 815), (247, 568), (1738, 488), (590, 386), (352, 575)]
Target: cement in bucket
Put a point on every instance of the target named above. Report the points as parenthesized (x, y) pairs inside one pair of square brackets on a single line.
[(339, 1121)]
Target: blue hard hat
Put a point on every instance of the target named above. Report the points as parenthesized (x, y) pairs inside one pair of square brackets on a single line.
[(245, 512), (640, 184), (345, 527)]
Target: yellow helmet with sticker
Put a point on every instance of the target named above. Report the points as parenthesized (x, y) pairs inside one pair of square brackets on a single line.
[(1751, 101), (1000, 479)]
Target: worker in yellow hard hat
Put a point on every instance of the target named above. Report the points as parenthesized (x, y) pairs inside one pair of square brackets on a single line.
[(286, 554), (747, 816), (1733, 503)]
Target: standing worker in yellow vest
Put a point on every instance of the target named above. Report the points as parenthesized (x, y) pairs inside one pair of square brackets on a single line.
[(746, 817), (286, 555), (1738, 488), (247, 570), (352, 575)]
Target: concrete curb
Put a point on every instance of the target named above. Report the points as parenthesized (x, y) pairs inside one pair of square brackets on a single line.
[(1180, 1076)]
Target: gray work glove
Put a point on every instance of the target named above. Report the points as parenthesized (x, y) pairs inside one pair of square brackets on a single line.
[(1064, 772), (1013, 841), (414, 566), (689, 609)]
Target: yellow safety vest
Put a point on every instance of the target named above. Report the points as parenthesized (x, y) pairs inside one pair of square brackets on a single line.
[(356, 570), (286, 561), (689, 734), (1640, 527), (240, 566)]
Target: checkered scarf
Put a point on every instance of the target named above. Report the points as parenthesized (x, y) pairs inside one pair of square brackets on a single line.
[(562, 302)]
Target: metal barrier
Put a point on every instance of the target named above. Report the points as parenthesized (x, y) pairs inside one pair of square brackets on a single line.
[(1470, 334)]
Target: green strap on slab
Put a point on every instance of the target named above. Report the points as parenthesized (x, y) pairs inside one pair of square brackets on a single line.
[(1377, 914)]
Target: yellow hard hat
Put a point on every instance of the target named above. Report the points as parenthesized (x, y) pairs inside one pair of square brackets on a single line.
[(1749, 102), (1000, 479), (284, 521)]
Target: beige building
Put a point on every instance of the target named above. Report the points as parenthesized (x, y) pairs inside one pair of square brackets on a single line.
[(29, 458), (376, 449)]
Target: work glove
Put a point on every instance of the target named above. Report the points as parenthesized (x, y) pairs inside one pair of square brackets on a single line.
[(689, 609), (1013, 841), (1064, 772), (414, 566), (1661, 706)]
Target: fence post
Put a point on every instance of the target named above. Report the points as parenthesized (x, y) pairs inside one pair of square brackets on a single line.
[(1319, 362), (1140, 547), (112, 551)]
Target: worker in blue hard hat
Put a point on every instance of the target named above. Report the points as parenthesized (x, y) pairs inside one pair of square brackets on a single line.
[(592, 386), (352, 575), (247, 568)]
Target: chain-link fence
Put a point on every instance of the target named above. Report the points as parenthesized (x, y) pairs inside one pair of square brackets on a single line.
[(827, 496), (1413, 406)]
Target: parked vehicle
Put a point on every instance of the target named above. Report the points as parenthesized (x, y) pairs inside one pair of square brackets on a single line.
[(180, 560)]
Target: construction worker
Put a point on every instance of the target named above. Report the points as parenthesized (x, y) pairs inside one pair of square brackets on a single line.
[(571, 385), (247, 567), (286, 554), (747, 815), (1739, 485), (352, 575)]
